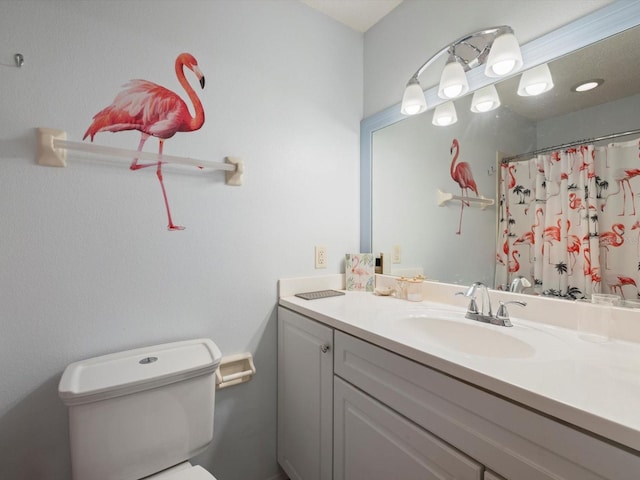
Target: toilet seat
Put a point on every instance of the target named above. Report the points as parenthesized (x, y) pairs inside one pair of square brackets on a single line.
[(188, 473)]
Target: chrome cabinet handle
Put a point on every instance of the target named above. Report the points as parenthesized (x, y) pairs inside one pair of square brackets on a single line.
[(325, 348)]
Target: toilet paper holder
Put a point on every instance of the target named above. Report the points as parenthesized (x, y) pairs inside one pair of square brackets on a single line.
[(235, 369)]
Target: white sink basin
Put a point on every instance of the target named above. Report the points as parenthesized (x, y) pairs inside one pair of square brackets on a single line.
[(452, 331), (472, 338)]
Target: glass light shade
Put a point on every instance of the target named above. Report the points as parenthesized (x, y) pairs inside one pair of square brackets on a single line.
[(453, 82), (535, 81), (485, 99), (445, 115), (413, 101), (504, 57)]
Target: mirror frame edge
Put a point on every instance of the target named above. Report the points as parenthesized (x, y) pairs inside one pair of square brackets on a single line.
[(610, 20)]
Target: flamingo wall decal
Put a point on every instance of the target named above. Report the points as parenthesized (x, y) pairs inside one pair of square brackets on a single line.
[(461, 174), (154, 111)]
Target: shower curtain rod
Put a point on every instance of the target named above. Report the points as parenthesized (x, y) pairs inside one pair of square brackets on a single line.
[(528, 155)]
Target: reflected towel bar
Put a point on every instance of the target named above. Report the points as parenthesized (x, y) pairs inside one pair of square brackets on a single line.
[(481, 201), (53, 146)]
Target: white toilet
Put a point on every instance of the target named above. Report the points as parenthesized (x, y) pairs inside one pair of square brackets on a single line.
[(142, 413)]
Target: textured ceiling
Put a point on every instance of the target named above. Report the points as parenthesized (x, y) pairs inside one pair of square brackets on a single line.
[(615, 59)]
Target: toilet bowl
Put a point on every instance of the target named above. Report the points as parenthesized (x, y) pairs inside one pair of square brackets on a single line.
[(142, 413)]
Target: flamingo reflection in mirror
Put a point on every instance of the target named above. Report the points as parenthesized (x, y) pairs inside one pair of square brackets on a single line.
[(461, 174), (154, 111)]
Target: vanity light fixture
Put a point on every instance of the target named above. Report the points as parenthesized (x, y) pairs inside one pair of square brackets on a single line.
[(535, 81), (445, 115), (413, 101), (505, 56), (588, 85), (485, 99), (453, 82), (495, 47)]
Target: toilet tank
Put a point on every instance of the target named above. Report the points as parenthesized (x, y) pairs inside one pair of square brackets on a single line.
[(135, 413)]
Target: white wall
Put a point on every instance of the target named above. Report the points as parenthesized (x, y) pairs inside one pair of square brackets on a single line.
[(87, 265), (398, 45)]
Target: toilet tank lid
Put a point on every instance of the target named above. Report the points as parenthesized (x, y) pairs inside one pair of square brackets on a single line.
[(132, 371)]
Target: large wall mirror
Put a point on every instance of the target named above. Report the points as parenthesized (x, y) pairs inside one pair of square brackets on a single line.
[(406, 160)]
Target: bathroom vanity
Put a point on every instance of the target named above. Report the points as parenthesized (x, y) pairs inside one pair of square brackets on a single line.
[(379, 388)]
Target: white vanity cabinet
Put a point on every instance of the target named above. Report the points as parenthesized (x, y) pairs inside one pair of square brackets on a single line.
[(305, 397), (375, 443), (396, 418)]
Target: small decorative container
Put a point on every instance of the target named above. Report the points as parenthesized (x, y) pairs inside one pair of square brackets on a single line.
[(414, 289)]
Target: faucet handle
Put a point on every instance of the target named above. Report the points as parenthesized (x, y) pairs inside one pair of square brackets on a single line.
[(473, 306), (503, 315)]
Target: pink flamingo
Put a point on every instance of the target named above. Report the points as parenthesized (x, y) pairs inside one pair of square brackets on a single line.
[(512, 178), (614, 238), (636, 226), (586, 254), (573, 249), (461, 174), (154, 111), (623, 176), (616, 282), (552, 234), (527, 238), (575, 203), (359, 271), (514, 265)]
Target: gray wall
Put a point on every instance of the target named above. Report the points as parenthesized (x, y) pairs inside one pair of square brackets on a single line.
[(87, 264), (612, 117), (412, 161)]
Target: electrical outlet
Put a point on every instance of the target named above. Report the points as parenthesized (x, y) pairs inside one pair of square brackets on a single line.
[(321, 257), (396, 254)]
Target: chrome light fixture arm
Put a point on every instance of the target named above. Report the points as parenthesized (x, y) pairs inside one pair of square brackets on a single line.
[(494, 31)]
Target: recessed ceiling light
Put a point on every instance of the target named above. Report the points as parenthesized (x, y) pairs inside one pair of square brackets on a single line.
[(588, 85)]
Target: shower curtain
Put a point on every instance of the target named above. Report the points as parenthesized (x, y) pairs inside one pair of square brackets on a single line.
[(568, 222)]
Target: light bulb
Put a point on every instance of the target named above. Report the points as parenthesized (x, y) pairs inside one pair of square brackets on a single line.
[(453, 81), (413, 101), (504, 67), (504, 57), (485, 99), (535, 81), (445, 115)]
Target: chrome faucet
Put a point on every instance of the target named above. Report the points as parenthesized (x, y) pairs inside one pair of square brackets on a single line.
[(519, 284), (485, 315), (486, 301)]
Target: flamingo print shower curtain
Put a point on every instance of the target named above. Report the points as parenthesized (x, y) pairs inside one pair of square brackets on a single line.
[(568, 222)]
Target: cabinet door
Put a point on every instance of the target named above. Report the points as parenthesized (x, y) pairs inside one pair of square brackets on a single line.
[(373, 442), (305, 397)]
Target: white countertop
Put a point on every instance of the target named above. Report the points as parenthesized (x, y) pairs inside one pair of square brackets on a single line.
[(594, 386)]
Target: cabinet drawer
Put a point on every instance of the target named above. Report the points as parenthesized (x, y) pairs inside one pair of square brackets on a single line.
[(373, 442), (513, 441)]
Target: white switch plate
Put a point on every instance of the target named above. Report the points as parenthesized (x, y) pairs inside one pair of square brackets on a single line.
[(396, 254), (321, 256)]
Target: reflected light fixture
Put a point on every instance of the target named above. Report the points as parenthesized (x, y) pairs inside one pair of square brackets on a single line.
[(495, 47), (485, 99), (445, 115), (588, 85), (535, 81)]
